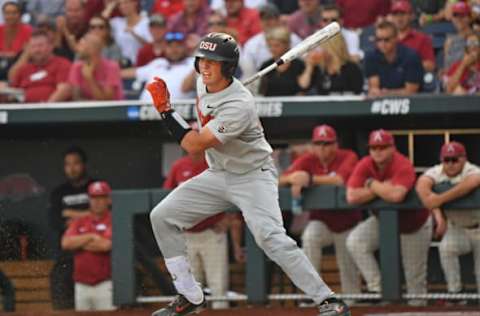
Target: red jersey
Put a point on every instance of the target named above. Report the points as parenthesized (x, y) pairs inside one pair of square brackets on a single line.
[(399, 172), (342, 165), (40, 81), (182, 170), (247, 24), (21, 38), (146, 54), (358, 14), (421, 43), (91, 267), (167, 8)]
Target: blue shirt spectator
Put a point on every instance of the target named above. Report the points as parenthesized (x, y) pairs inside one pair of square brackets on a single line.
[(392, 69)]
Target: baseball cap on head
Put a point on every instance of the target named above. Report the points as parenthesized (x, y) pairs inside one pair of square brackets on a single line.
[(99, 188), (380, 137), (403, 6), (268, 11), (452, 149), (157, 20), (324, 133), (461, 8)]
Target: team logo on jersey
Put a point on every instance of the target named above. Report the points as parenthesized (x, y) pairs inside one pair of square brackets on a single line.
[(208, 46)]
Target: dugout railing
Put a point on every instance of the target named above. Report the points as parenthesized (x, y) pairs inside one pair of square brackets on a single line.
[(126, 204)]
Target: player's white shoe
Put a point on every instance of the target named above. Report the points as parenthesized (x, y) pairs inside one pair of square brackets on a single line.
[(333, 306)]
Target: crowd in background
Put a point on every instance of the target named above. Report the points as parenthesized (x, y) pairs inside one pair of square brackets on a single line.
[(75, 50)]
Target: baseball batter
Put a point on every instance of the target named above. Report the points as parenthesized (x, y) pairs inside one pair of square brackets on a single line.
[(241, 172)]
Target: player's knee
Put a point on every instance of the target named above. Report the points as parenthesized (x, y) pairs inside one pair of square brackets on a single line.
[(353, 245), (275, 242)]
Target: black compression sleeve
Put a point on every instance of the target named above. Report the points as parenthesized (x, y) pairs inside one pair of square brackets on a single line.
[(175, 124)]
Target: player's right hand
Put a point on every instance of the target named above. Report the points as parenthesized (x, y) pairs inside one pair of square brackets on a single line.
[(160, 95)]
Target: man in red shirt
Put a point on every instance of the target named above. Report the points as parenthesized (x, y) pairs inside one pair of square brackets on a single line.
[(207, 242), (156, 49), (326, 164), (360, 14), (307, 19), (245, 21), (38, 71), (92, 77), (90, 237), (402, 16), (388, 175)]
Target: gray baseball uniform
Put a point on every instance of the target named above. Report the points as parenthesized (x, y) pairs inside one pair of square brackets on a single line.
[(241, 172)]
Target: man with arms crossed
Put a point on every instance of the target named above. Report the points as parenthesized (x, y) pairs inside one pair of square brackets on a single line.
[(463, 231), (241, 172)]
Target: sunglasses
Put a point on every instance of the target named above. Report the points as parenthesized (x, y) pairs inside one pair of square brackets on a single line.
[(323, 143), (450, 159), (378, 147), (97, 26), (216, 23), (174, 36), (327, 20), (383, 39)]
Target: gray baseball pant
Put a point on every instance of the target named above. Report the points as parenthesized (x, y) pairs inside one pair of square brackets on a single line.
[(256, 194)]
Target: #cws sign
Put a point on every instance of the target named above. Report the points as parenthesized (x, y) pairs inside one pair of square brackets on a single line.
[(391, 107)]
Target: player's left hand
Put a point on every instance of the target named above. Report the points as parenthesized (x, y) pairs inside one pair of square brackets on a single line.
[(160, 95)]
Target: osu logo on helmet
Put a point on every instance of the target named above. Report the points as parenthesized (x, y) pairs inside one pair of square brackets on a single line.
[(208, 46)]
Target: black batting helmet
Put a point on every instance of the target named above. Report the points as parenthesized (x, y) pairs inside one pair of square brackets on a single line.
[(220, 47)]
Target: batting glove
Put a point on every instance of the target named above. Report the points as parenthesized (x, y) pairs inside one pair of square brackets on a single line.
[(160, 95)]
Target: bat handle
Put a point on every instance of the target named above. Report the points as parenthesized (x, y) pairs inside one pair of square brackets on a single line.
[(262, 73)]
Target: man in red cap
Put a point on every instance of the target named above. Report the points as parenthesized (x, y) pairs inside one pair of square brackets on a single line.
[(388, 175), (90, 239), (402, 16), (454, 46), (462, 234), (326, 164)]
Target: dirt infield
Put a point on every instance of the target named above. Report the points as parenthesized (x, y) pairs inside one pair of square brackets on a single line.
[(265, 311)]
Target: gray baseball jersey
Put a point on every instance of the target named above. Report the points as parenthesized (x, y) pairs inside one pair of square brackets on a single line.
[(231, 115)]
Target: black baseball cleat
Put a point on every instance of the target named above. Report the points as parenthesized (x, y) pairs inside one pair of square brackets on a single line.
[(333, 306), (179, 307)]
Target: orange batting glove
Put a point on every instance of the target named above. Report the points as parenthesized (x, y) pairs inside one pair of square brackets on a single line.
[(160, 95)]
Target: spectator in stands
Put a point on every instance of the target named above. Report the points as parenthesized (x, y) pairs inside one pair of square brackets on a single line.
[(327, 164), (463, 229), (68, 201), (13, 36), (284, 79), (44, 10), (90, 238), (332, 70), (429, 11), (246, 21), (307, 19), (38, 71), (285, 6), (174, 68), (70, 28), (219, 5), (388, 175), (158, 28), (167, 8), (454, 46), (256, 51), (360, 14), (92, 77), (130, 30), (331, 13), (207, 242), (392, 68), (192, 21), (402, 16), (105, 8), (463, 77), (101, 27), (476, 15)]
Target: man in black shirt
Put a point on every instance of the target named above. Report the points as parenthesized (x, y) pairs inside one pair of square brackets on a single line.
[(67, 202)]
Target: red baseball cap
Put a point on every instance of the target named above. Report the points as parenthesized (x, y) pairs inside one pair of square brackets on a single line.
[(452, 149), (401, 6), (380, 137), (99, 188), (461, 8), (324, 133)]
